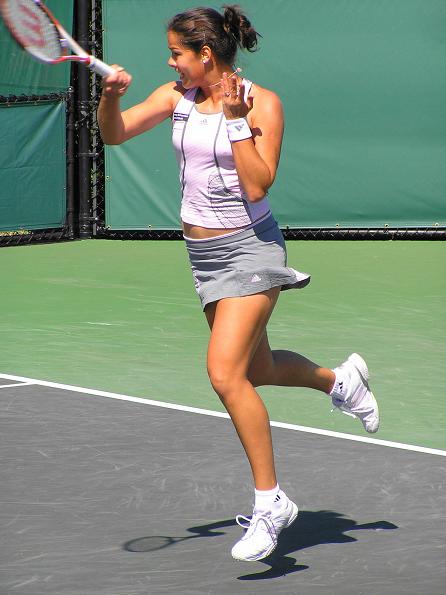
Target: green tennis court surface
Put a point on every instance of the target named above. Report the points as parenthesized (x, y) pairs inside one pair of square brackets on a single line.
[(123, 317)]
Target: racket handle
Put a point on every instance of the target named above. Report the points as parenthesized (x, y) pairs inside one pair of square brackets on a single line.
[(100, 67)]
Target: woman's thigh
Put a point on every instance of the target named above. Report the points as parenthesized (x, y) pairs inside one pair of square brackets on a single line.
[(237, 330)]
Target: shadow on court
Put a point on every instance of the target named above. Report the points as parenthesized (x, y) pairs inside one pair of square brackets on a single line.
[(153, 543), (310, 529)]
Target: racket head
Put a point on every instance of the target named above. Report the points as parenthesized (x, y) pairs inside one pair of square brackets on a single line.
[(33, 29)]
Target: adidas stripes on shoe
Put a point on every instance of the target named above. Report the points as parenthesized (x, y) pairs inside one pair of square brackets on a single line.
[(262, 532), (352, 395)]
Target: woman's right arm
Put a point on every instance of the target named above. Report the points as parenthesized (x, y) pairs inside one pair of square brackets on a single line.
[(116, 126)]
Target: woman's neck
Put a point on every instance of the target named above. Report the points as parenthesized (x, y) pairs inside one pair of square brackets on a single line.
[(212, 91)]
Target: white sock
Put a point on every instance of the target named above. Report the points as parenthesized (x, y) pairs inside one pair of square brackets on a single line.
[(269, 499)]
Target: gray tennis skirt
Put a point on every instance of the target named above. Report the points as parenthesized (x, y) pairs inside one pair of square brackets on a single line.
[(244, 263)]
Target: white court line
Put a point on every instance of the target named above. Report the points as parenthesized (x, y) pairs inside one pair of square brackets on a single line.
[(15, 384), (276, 424)]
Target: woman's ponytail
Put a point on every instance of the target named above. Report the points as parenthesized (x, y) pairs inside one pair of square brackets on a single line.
[(237, 24)]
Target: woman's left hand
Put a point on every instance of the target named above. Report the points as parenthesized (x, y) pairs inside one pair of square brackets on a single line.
[(233, 93)]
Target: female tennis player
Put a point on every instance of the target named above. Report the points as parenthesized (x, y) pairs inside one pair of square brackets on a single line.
[(227, 135)]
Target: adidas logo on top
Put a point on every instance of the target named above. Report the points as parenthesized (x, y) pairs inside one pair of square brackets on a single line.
[(255, 278)]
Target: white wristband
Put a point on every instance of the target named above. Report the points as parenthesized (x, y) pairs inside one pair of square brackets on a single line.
[(238, 129)]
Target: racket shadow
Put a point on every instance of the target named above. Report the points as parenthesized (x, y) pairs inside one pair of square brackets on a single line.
[(152, 543), (310, 529)]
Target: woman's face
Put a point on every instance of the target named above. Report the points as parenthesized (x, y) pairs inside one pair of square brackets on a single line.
[(185, 61)]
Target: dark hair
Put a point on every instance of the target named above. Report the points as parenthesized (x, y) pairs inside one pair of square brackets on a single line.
[(223, 33)]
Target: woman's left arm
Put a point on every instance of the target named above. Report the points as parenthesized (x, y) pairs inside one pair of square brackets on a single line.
[(257, 158)]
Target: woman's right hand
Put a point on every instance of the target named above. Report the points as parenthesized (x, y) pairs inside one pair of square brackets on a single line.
[(117, 83)]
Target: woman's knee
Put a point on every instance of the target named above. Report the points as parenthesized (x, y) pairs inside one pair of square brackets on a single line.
[(257, 378), (220, 379), (224, 381), (261, 373)]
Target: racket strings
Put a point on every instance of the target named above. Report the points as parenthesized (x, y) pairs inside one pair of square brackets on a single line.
[(34, 30)]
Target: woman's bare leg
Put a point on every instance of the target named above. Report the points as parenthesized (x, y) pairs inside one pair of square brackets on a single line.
[(287, 368), (240, 358), (237, 325)]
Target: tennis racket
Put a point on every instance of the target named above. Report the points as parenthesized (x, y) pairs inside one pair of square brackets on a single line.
[(38, 32)]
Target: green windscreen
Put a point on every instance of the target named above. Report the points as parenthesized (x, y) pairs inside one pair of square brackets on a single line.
[(32, 135), (32, 166), (364, 91), (20, 74)]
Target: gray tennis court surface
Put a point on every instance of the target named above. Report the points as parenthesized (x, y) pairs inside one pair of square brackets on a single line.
[(108, 497)]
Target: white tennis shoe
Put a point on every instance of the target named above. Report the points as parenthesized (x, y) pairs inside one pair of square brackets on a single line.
[(353, 395), (263, 529)]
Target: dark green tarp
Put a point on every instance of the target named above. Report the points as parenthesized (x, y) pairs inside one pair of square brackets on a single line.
[(364, 89)]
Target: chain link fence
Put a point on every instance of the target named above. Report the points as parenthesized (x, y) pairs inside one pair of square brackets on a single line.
[(98, 198), (66, 232)]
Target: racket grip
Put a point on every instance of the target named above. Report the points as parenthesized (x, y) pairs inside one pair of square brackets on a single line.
[(100, 67)]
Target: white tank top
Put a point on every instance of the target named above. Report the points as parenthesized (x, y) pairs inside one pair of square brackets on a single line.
[(212, 196)]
